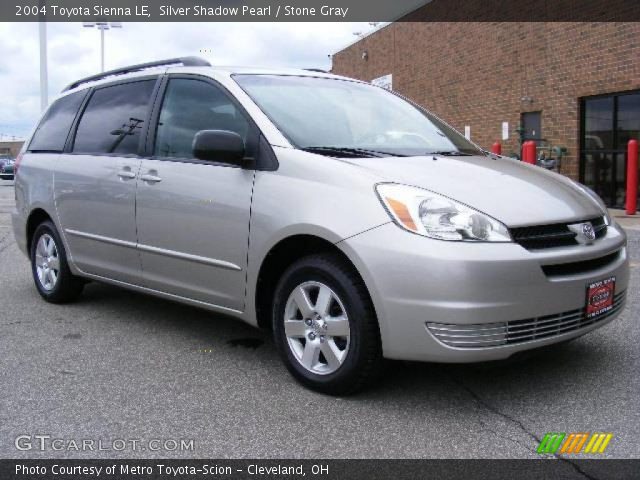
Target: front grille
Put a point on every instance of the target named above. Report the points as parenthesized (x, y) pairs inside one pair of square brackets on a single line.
[(487, 335), (599, 226), (576, 268), (556, 235)]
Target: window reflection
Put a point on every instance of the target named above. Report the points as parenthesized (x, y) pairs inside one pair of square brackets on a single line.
[(608, 125), (628, 121), (598, 124), (113, 119)]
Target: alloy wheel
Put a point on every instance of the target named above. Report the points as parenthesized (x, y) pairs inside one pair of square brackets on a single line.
[(47, 262), (317, 327)]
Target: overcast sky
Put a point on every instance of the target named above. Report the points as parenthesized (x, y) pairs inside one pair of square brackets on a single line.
[(74, 52)]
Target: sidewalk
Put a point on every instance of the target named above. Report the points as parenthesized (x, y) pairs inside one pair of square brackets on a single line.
[(628, 222)]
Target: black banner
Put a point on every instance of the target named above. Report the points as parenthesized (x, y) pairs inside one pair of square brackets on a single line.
[(555, 468), (204, 10), (320, 10)]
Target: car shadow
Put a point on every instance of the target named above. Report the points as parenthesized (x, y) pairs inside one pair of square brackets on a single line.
[(549, 369), (171, 317)]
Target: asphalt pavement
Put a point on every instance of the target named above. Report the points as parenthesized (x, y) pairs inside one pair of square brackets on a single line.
[(123, 366)]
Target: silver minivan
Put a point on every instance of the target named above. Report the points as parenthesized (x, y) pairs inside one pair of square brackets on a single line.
[(351, 222)]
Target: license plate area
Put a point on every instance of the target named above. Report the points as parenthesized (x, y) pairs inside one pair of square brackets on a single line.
[(600, 297)]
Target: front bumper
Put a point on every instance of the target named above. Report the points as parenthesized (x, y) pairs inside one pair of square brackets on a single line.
[(414, 281)]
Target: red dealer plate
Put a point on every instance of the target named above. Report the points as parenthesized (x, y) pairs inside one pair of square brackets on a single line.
[(600, 297)]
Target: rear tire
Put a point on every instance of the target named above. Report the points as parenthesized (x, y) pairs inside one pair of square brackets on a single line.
[(325, 326), (51, 274)]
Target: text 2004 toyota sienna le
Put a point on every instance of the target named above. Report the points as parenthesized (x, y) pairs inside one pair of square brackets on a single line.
[(354, 224)]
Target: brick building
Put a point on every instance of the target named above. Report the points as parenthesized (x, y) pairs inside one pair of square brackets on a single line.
[(573, 85), (11, 148)]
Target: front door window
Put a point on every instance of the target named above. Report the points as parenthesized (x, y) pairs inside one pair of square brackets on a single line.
[(190, 106)]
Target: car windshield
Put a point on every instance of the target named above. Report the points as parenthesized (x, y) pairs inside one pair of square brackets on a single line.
[(330, 116)]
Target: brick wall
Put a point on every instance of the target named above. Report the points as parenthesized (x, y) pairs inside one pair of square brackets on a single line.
[(477, 73)]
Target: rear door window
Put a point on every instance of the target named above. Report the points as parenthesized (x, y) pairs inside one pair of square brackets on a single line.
[(53, 130), (114, 119)]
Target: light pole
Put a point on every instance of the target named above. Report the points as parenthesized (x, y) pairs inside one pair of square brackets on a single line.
[(44, 81), (102, 26)]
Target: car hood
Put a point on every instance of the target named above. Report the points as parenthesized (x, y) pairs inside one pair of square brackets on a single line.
[(511, 191)]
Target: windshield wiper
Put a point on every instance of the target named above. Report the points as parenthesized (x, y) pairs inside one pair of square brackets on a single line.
[(451, 153), (349, 152)]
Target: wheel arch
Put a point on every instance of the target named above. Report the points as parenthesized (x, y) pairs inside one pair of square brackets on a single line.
[(279, 258), (35, 218)]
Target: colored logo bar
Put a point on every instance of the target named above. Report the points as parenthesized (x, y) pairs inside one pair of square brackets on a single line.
[(573, 443)]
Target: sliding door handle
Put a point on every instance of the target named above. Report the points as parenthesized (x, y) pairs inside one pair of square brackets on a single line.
[(126, 173)]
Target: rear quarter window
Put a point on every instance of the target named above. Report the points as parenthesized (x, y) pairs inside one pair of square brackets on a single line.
[(51, 134)]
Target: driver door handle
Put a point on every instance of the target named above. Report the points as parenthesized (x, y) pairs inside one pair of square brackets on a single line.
[(147, 177)]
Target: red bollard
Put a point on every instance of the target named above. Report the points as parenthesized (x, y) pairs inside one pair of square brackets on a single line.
[(496, 148), (532, 152), (632, 177), (525, 151), (529, 152)]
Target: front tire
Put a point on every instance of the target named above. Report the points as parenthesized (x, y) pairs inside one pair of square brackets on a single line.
[(51, 274), (325, 326)]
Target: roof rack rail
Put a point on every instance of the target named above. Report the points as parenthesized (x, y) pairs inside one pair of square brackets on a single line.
[(185, 61)]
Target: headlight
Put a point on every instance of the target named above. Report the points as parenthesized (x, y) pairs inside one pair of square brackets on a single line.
[(436, 216)]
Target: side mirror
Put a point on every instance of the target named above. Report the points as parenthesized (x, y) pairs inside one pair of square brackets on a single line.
[(219, 146)]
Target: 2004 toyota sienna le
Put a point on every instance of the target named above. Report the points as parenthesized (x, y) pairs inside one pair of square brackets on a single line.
[(353, 223)]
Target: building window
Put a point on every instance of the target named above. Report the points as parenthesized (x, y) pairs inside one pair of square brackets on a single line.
[(607, 124)]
